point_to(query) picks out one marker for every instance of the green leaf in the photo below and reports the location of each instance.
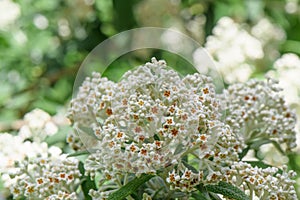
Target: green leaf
(259, 164)
(214, 196)
(87, 183)
(178, 149)
(278, 147)
(79, 153)
(190, 167)
(60, 136)
(257, 143)
(203, 192)
(243, 153)
(130, 187)
(227, 190)
(198, 196)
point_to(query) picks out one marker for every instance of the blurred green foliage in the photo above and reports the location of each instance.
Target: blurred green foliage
(39, 64)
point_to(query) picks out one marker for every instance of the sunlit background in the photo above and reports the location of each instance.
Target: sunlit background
(43, 43)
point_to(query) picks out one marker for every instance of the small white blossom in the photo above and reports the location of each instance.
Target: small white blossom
(238, 50)
(45, 177)
(9, 12)
(234, 50)
(37, 126)
(256, 110)
(264, 184)
(13, 149)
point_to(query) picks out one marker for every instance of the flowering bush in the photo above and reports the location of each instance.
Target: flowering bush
(156, 125)
(174, 135)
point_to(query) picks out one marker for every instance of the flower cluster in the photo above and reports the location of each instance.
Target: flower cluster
(233, 49)
(237, 50)
(37, 126)
(151, 118)
(267, 33)
(208, 161)
(10, 11)
(31, 169)
(154, 121)
(45, 177)
(269, 183)
(287, 68)
(256, 110)
(12, 149)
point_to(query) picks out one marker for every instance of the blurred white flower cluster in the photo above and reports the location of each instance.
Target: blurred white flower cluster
(13, 148)
(155, 122)
(30, 168)
(287, 70)
(9, 12)
(37, 126)
(237, 49)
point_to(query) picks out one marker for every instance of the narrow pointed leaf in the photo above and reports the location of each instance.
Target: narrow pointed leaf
(79, 153)
(227, 190)
(130, 187)
(87, 183)
(199, 196)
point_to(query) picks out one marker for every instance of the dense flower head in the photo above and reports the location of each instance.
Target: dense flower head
(238, 49)
(207, 161)
(287, 72)
(150, 119)
(270, 183)
(234, 50)
(256, 110)
(45, 177)
(155, 121)
(12, 149)
(37, 126)
(268, 33)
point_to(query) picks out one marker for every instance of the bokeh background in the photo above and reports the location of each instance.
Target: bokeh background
(43, 43)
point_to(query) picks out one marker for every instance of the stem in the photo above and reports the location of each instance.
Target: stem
(129, 197)
(251, 191)
(125, 179)
(118, 181)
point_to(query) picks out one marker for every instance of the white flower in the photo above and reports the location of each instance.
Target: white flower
(45, 177)
(14, 149)
(265, 31)
(9, 12)
(287, 70)
(263, 184)
(38, 125)
(232, 48)
(256, 110)
(238, 50)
